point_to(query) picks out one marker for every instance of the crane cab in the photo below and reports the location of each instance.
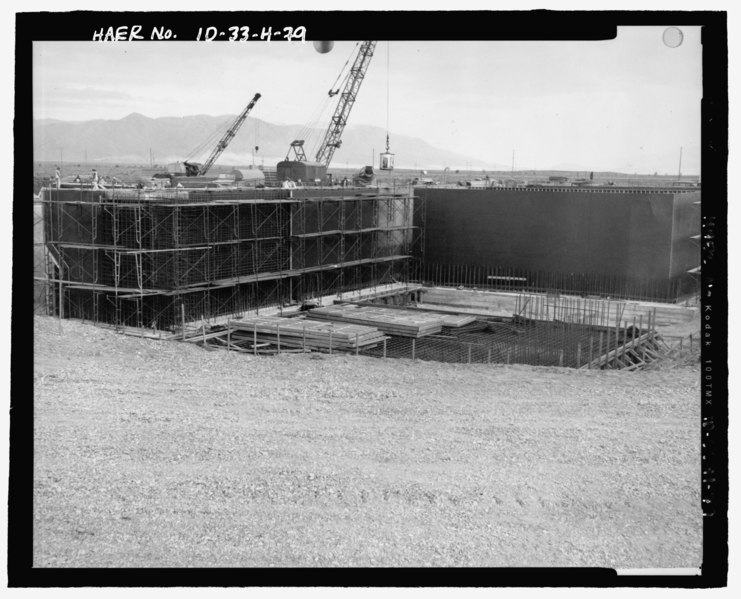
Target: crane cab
(387, 161)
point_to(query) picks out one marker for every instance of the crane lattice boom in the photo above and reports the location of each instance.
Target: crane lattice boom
(194, 169)
(332, 138)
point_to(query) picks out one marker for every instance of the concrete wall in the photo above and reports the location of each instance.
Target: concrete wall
(685, 252)
(638, 234)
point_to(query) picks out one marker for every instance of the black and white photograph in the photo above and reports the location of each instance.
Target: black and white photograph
(447, 301)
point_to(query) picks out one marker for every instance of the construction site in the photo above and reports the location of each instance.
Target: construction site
(209, 266)
(308, 366)
(556, 270)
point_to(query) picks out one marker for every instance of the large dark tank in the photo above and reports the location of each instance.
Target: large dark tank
(297, 170)
(633, 233)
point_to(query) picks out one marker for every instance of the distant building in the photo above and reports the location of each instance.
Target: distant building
(248, 177)
(685, 184)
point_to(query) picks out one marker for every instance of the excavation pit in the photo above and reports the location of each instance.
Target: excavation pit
(538, 343)
(404, 335)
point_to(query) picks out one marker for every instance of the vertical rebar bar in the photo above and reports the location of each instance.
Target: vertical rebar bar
(617, 337)
(578, 355)
(591, 351)
(599, 351)
(414, 347)
(61, 296)
(625, 339)
(384, 348)
(254, 338)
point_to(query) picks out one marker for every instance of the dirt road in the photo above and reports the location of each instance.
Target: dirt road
(155, 453)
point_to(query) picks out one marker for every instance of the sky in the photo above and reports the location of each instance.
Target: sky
(628, 104)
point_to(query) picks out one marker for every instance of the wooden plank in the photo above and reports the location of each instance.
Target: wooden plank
(320, 344)
(299, 332)
(314, 339)
(458, 320)
(199, 336)
(394, 322)
(613, 353)
(310, 336)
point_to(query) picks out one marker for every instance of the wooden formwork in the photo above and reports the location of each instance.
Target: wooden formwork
(631, 355)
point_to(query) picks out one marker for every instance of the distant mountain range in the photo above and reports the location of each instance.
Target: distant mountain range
(173, 139)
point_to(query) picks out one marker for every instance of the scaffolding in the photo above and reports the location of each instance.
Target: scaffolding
(41, 267)
(166, 258)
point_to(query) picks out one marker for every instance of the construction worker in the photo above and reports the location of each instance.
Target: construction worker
(58, 177)
(95, 179)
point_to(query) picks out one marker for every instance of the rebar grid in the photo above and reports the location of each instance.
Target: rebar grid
(129, 257)
(535, 343)
(584, 284)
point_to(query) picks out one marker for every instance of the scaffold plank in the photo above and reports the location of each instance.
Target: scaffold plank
(299, 332)
(393, 322)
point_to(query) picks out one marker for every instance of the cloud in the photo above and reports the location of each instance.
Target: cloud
(91, 94)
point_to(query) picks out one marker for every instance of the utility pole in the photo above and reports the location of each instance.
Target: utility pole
(679, 177)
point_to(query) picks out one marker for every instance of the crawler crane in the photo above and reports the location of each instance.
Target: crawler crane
(297, 167)
(195, 169)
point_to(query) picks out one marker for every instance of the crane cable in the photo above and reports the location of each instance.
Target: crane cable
(256, 146)
(311, 132)
(317, 141)
(309, 128)
(388, 87)
(314, 134)
(342, 70)
(210, 141)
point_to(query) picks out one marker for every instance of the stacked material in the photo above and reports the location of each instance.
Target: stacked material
(301, 333)
(472, 327)
(404, 323)
(449, 320)
(455, 321)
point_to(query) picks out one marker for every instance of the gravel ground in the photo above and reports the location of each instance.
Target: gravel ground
(164, 454)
